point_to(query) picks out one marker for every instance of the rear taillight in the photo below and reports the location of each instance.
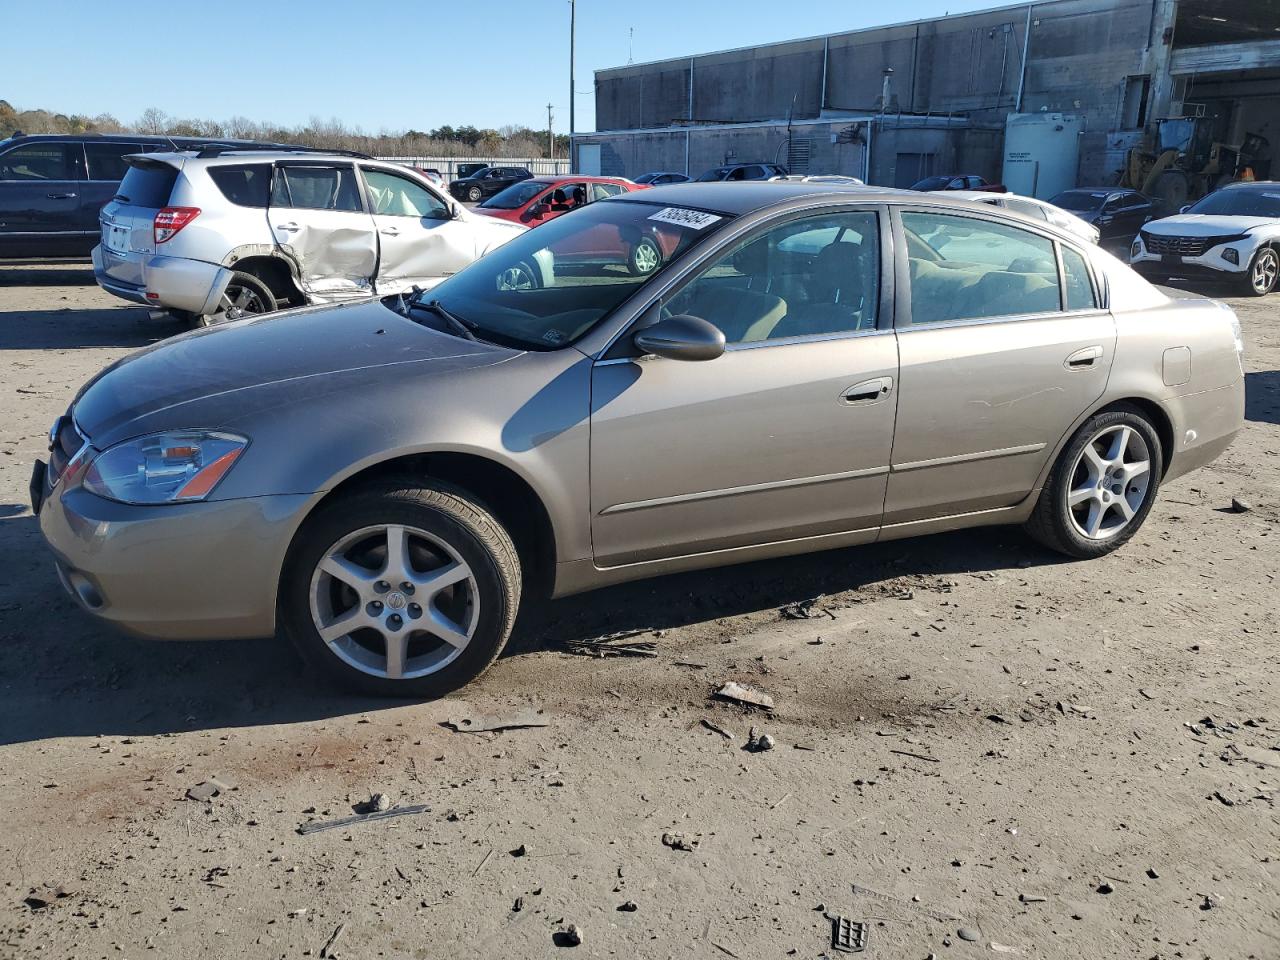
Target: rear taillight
(172, 219)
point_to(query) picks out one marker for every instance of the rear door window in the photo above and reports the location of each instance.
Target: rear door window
(106, 159)
(147, 184)
(244, 184)
(1080, 294)
(602, 190)
(39, 161)
(962, 268)
(316, 187)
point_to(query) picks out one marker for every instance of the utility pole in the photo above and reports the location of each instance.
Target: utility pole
(573, 23)
(551, 139)
(631, 42)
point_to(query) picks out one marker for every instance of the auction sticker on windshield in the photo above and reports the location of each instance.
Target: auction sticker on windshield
(694, 219)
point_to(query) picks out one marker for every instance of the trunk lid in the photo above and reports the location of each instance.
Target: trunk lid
(128, 219)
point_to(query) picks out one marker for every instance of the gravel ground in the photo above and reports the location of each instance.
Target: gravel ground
(980, 749)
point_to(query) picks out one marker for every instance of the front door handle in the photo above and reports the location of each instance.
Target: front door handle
(288, 227)
(868, 391)
(61, 196)
(390, 231)
(1085, 358)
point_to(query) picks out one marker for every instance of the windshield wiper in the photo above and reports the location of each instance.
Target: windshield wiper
(460, 326)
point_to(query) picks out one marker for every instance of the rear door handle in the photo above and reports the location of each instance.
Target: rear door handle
(390, 231)
(868, 391)
(288, 227)
(61, 196)
(1084, 358)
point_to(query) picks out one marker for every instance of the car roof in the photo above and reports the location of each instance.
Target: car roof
(743, 197)
(985, 197)
(570, 178)
(265, 156)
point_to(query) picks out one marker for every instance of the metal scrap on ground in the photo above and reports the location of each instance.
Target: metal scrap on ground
(487, 724)
(848, 936)
(739, 693)
(318, 825)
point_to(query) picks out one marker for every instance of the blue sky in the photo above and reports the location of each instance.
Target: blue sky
(378, 64)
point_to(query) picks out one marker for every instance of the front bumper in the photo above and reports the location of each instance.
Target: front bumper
(186, 571)
(1210, 265)
(175, 283)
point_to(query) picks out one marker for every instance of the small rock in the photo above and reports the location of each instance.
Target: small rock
(1105, 887)
(967, 933)
(378, 803)
(518, 905)
(207, 790)
(571, 935)
(677, 841)
(1223, 799)
(758, 743)
(1209, 902)
(628, 907)
(300, 912)
(520, 851)
(1152, 873)
(1240, 506)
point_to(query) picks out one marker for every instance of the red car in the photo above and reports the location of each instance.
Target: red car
(531, 202)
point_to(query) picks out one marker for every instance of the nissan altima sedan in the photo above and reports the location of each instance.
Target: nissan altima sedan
(802, 367)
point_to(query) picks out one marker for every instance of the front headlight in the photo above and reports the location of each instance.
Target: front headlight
(1135, 251)
(170, 467)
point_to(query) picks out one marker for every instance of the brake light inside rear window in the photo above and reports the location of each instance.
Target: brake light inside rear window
(170, 220)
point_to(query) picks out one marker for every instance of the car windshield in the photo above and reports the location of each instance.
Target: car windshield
(647, 177)
(1260, 201)
(931, 183)
(516, 195)
(549, 286)
(1085, 200)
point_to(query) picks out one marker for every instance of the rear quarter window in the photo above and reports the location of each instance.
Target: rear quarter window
(148, 184)
(245, 185)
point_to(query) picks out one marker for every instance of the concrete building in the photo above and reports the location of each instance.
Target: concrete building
(896, 103)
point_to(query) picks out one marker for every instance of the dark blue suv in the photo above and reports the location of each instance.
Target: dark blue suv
(53, 185)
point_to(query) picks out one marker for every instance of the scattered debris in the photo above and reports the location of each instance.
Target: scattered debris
(208, 789)
(759, 743)
(487, 724)
(1032, 898)
(628, 906)
(571, 936)
(1002, 948)
(678, 841)
(917, 756)
(799, 611)
(848, 936)
(1240, 506)
(749, 696)
(1223, 799)
(378, 803)
(716, 728)
(317, 825)
(997, 718)
(43, 896)
(606, 648)
(327, 950)
(296, 914)
(1209, 902)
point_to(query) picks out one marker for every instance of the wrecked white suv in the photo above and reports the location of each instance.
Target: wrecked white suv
(217, 234)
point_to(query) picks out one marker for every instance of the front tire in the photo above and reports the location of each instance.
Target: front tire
(245, 296)
(1102, 486)
(403, 589)
(475, 194)
(1262, 275)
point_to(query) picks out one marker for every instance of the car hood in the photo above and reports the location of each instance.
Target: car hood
(1204, 225)
(205, 377)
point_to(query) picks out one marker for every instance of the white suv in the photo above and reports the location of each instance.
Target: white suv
(220, 233)
(1232, 234)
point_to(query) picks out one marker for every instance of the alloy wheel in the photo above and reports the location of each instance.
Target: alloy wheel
(646, 257)
(394, 601)
(1110, 481)
(1266, 269)
(240, 302)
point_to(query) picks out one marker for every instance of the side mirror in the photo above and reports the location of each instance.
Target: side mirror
(538, 210)
(682, 337)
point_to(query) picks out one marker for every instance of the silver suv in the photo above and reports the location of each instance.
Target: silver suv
(219, 233)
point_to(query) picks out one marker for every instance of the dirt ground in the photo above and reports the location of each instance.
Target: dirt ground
(1061, 760)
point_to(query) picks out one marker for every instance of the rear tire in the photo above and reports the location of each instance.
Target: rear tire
(475, 194)
(244, 296)
(645, 257)
(1101, 488)
(438, 629)
(1261, 277)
